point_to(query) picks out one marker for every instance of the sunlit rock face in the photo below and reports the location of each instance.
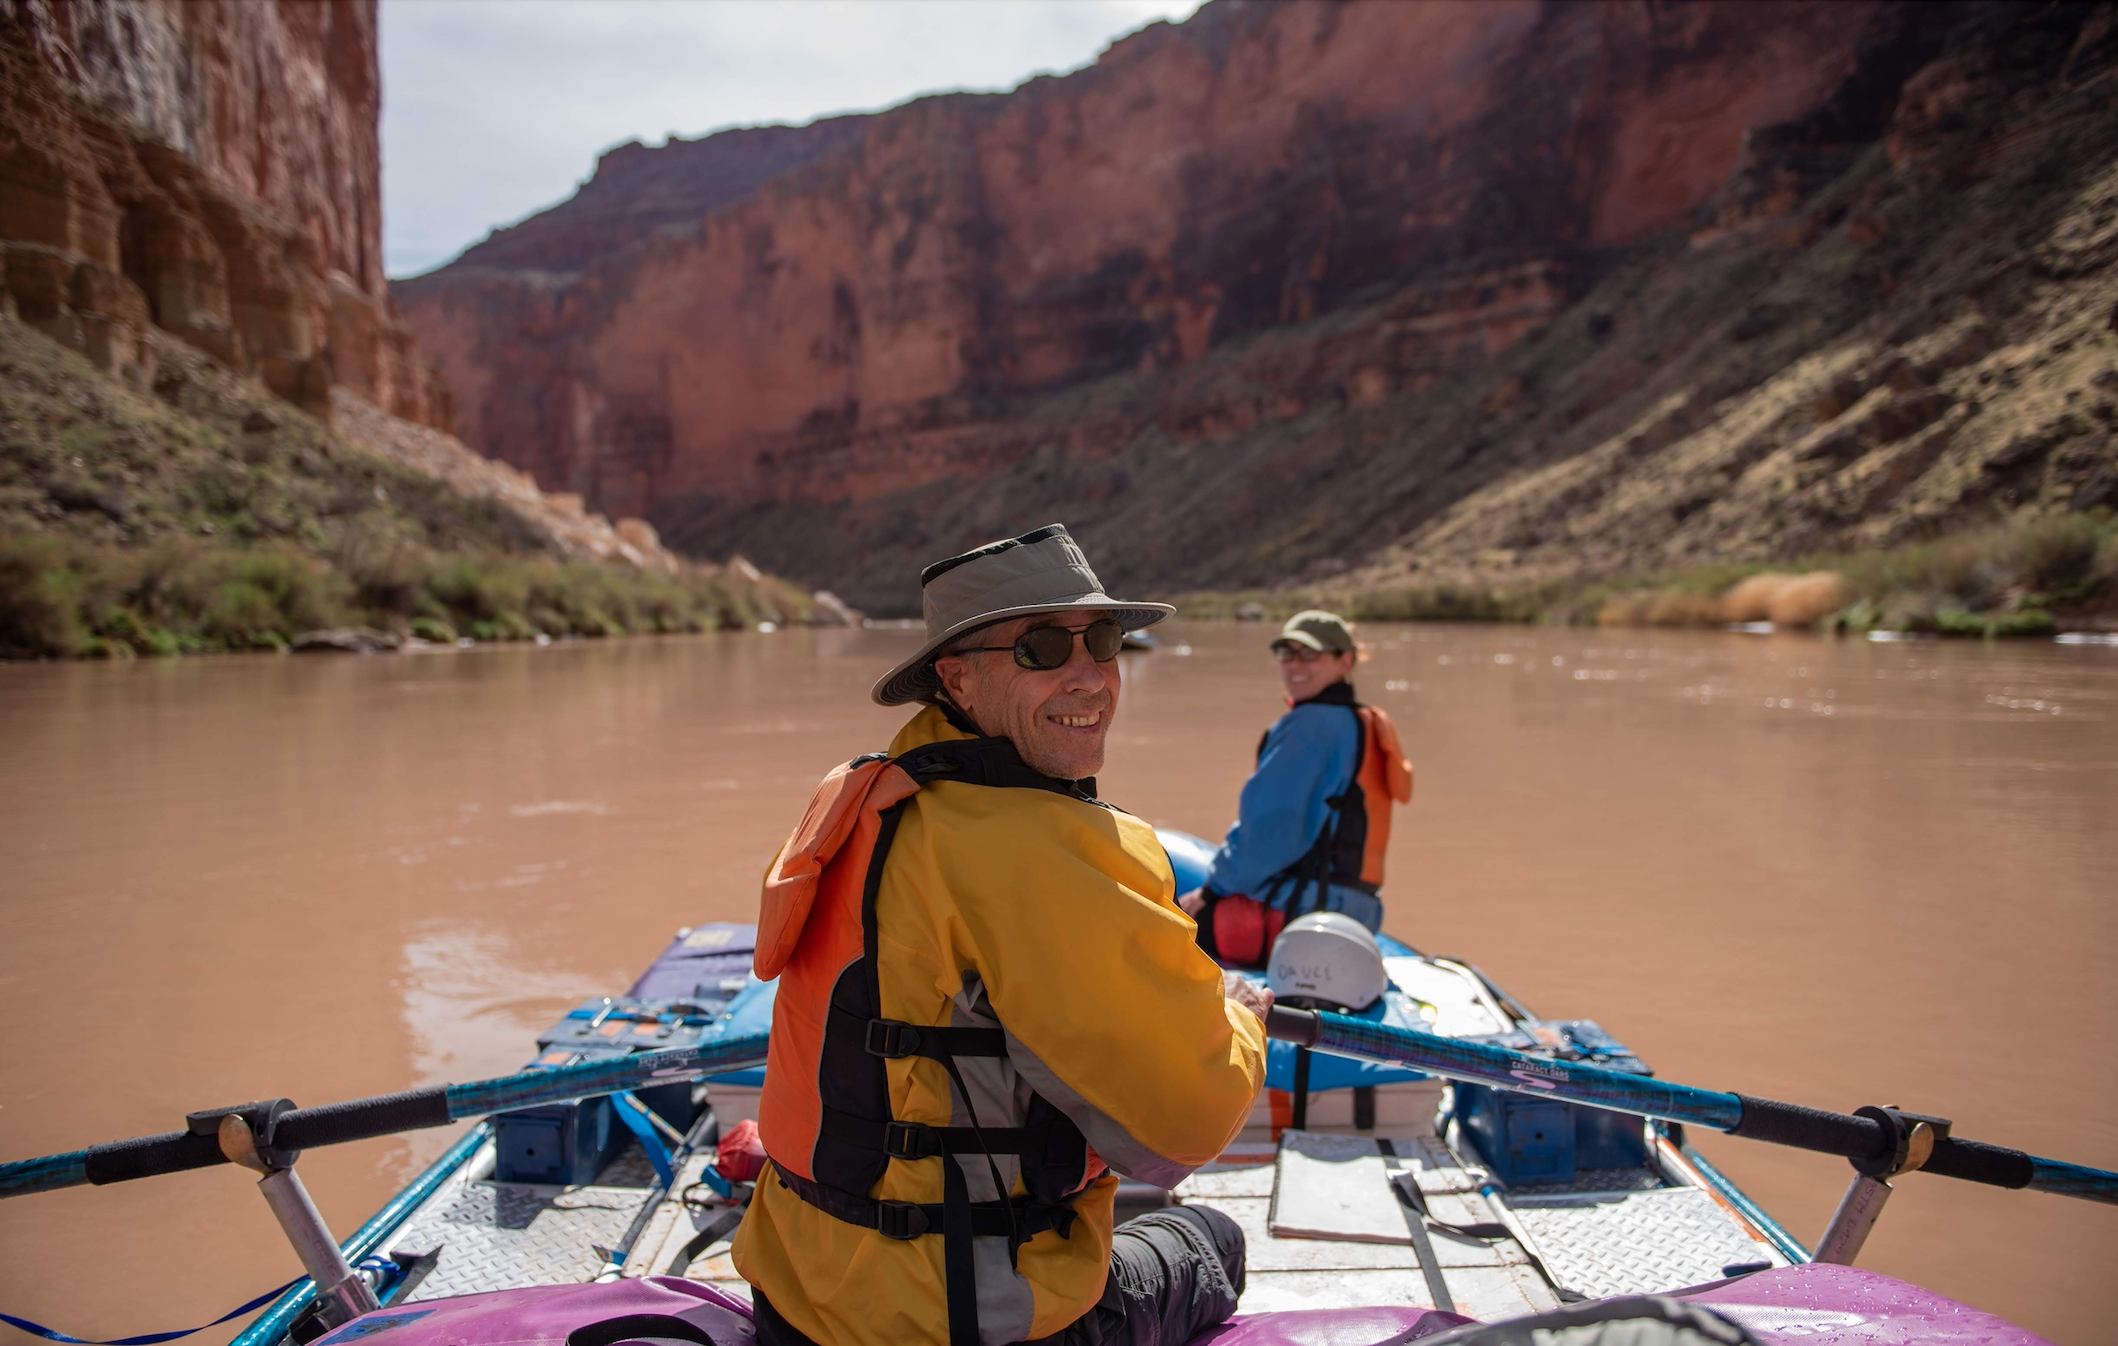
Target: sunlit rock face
(1236, 302)
(211, 167)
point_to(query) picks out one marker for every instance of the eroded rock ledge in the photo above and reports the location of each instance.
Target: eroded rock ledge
(211, 168)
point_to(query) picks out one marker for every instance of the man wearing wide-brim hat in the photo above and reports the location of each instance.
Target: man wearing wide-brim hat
(990, 1006)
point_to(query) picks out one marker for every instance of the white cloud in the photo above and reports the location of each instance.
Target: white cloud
(494, 109)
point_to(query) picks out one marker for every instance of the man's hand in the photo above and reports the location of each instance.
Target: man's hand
(1193, 902)
(1248, 994)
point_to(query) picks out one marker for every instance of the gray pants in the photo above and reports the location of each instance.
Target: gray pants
(1173, 1274)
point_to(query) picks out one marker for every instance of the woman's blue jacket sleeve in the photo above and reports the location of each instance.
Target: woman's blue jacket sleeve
(1309, 756)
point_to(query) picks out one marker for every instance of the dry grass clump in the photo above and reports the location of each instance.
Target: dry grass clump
(1666, 607)
(1785, 600)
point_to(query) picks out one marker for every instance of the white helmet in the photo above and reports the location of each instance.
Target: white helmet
(1326, 960)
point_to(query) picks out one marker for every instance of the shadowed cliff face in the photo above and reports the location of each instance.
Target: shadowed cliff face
(210, 167)
(1252, 299)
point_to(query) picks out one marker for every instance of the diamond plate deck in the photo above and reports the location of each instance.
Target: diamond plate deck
(1594, 1180)
(502, 1236)
(1624, 1243)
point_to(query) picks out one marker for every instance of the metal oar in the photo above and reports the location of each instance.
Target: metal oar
(199, 1145)
(1881, 1142)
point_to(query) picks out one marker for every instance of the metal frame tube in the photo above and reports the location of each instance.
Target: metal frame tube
(348, 1291)
(1850, 1224)
(271, 1326)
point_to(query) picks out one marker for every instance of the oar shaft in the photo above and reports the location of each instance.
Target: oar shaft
(2064, 1179)
(1850, 1137)
(1497, 1066)
(383, 1115)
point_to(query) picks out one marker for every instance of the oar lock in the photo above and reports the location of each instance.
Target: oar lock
(245, 1133)
(1908, 1140)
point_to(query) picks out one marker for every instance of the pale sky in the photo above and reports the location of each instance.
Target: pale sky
(495, 109)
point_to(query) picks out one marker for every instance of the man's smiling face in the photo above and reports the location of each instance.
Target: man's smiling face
(1057, 718)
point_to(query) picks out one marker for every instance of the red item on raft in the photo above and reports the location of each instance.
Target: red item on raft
(1243, 930)
(741, 1156)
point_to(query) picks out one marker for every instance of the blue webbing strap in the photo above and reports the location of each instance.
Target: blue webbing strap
(38, 1329)
(633, 1113)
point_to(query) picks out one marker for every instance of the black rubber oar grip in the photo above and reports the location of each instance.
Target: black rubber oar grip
(1976, 1161)
(146, 1156)
(363, 1118)
(1293, 1025)
(1809, 1128)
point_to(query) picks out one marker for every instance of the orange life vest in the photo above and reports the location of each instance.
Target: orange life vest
(1349, 850)
(825, 1114)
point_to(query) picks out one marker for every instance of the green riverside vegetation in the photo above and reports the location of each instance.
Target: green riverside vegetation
(2031, 576)
(208, 516)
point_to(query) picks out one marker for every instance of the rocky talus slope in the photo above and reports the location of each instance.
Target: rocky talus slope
(210, 515)
(1284, 293)
(209, 169)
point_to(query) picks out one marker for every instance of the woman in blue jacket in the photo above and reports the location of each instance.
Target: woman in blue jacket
(1314, 818)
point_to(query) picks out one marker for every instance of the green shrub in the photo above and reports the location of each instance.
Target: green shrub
(39, 601)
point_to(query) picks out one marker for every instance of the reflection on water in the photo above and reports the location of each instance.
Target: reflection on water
(1836, 872)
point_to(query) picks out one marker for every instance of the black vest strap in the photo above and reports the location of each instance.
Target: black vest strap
(912, 1219)
(1334, 857)
(915, 1140)
(988, 761)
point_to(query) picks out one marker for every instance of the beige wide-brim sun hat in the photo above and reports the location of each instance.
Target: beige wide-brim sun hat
(1039, 572)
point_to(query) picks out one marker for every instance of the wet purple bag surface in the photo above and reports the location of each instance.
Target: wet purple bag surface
(1330, 1327)
(1810, 1305)
(1819, 1305)
(549, 1313)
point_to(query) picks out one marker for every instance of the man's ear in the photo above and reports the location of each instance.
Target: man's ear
(954, 675)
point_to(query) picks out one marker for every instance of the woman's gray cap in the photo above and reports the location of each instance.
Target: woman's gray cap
(1039, 572)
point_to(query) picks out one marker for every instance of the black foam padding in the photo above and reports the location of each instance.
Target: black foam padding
(1809, 1128)
(362, 1118)
(146, 1156)
(1976, 1161)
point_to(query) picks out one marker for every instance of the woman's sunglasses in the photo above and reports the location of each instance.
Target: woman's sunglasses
(1287, 650)
(1044, 648)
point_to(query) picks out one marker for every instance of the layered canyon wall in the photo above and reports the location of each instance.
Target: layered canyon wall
(1257, 296)
(212, 168)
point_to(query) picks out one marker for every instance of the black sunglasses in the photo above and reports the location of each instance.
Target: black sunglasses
(1044, 648)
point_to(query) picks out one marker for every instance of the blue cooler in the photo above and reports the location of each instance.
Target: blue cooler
(624, 1025)
(1527, 1140)
(571, 1143)
(562, 1144)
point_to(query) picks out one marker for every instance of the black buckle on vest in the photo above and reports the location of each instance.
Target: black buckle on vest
(892, 1038)
(911, 1140)
(900, 1220)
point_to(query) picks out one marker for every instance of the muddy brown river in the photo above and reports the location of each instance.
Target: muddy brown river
(1835, 873)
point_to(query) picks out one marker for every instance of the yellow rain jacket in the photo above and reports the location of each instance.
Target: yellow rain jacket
(982, 971)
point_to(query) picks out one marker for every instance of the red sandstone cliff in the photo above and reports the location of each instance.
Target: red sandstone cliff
(211, 167)
(1258, 293)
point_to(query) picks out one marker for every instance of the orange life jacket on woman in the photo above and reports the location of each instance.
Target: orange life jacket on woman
(1356, 836)
(1348, 851)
